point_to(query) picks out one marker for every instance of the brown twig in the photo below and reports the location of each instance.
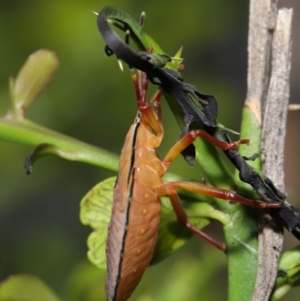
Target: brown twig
(268, 93)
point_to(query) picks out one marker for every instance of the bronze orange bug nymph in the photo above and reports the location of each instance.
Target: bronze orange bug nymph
(134, 222)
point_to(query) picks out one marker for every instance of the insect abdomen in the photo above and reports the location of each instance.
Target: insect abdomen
(132, 237)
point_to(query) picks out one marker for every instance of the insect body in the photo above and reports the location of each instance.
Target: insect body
(135, 215)
(188, 98)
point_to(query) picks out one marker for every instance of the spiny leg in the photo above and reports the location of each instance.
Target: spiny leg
(182, 218)
(227, 195)
(155, 104)
(143, 87)
(135, 84)
(152, 113)
(190, 137)
(169, 189)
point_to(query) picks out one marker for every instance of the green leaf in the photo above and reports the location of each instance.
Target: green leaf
(290, 259)
(32, 79)
(25, 288)
(289, 273)
(95, 211)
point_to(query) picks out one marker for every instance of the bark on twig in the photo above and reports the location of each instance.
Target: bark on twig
(269, 68)
(262, 22)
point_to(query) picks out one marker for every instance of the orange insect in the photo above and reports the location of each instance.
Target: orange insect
(134, 222)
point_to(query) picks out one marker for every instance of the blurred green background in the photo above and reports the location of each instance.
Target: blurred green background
(92, 100)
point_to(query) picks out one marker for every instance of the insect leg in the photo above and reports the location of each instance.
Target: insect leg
(182, 218)
(190, 137)
(169, 188)
(155, 104)
(150, 113)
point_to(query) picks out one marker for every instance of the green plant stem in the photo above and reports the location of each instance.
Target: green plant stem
(29, 133)
(241, 233)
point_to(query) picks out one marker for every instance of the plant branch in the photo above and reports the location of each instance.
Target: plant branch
(29, 133)
(242, 280)
(273, 139)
